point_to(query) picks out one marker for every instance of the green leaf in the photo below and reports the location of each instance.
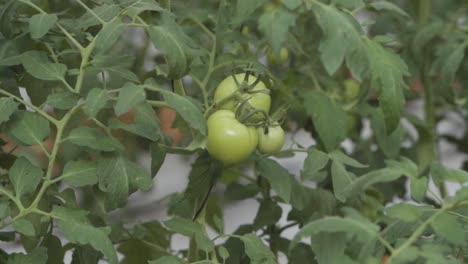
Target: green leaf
(278, 177)
(190, 112)
(405, 212)
(188, 228)
(389, 143)
(236, 191)
(158, 155)
(349, 4)
(38, 65)
(118, 177)
(275, 25)
(441, 173)
(388, 70)
(341, 180)
(146, 122)
(292, 4)
(40, 24)
(54, 249)
(331, 224)
(244, 9)
(106, 12)
(256, 250)
(268, 213)
(419, 188)
(329, 247)
(30, 128)
(136, 7)
(24, 227)
(95, 101)
(130, 96)
(62, 100)
(94, 139)
(338, 29)
(315, 161)
(166, 260)
(171, 40)
(80, 173)
(109, 34)
(223, 253)
(321, 109)
(205, 172)
(77, 229)
(447, 226)
(7, 107)
(385, 5)
(25, 177)
(36, 256)
(339, 156)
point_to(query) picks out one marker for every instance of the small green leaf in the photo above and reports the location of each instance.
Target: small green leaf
(139, 6)
(40, 24)
(256, 250)
(341, 180)
(30, 128)
(7, 107)
(223, 253)
(38, 65)
(268, 214)
(419, 188)
(80, 173)
(94, 139)
(77, 229)
(190, 112)
(158, 155)
(129, 96)
(316, 160)
(321, 109)
(118, 177)
(146, 122)
(24, 227)
(105, 11)
(363, 232)
(109, 34)
(344, 159)
(385, 5)
(25, 177)
(404, 211)
(95, 101)
(442, 173)
(278, 177)
(62, 100)
(171, 40)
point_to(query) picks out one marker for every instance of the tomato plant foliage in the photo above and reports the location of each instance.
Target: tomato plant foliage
(88, 87)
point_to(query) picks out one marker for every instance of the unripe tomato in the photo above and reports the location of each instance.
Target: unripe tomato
(272, 141)
(229, 140)
(258, 100)
(352, 89)
(273, 58)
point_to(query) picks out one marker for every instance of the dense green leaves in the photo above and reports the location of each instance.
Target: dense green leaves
(94, 139)
(80, 173)
(39, 66)
(7, 108)
(95, 101)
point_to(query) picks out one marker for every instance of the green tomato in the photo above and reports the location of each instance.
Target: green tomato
(229, 140)
(273, 58)
(228, 86)
(352, 89)
(271, 142)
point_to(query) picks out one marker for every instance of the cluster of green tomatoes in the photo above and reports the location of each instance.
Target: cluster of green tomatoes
(242, 123)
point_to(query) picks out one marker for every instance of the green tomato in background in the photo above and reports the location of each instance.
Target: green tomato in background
(352, 89)
(272, 141)
(229, 140)
(273, 58)
(258, 100)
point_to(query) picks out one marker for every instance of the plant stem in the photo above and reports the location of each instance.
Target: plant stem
(85, 53)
